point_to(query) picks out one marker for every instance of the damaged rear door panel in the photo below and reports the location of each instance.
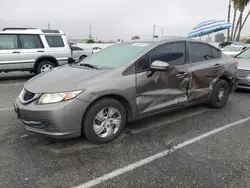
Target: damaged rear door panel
(206, 67)
(163, 90)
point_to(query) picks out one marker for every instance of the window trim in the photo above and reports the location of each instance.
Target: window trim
(219, 52)
(55, 36)
(159, 46)
(197, 42)
(18, 44)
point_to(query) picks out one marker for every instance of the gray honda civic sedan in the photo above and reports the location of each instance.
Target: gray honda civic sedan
(128, 81)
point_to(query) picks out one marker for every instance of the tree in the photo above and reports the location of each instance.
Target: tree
(248, 41)
(220, 37)
(239, 5)
(135, 37)
(90, 41)
(156, 36)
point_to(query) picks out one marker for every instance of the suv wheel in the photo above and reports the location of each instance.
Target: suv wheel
(104, 121)
(44, 66)
(220, 94)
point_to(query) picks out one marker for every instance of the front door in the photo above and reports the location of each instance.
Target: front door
(162, 90)
(10, 57)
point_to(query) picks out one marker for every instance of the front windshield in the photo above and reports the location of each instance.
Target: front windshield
(245, 54)
(116, 55)
(232, 48)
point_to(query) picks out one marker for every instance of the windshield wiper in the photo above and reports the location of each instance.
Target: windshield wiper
(89, 65)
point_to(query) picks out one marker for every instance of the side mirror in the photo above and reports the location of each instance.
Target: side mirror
(159, 66)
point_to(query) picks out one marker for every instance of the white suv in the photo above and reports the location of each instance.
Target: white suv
(34, 50)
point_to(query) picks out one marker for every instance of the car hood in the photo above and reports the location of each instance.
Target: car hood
(243, 63)
(60, 79)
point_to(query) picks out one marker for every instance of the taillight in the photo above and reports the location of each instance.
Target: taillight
(236, 63)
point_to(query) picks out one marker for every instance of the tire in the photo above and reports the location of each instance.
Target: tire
(41, 65)
(90, 120)
(82, 57)
(217, 100)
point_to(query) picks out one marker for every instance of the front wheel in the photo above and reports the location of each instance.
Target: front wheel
(104, 121)
(220, 94)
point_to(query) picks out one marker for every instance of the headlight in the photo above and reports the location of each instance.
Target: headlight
(57, 97)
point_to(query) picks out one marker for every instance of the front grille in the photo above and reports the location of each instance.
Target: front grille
(243, 73)
(28, 95)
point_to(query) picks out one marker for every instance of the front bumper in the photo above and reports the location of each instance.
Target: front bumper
(58, 120)
(244, 82)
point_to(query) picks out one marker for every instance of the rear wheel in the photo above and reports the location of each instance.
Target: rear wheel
(104, 121)
(82, 57)
(44, 66)
(220, 94)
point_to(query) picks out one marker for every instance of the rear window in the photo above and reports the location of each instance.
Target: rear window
(54, 41)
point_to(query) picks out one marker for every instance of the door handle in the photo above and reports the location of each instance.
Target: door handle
(40, 51)
(16, 52)
(181, 74)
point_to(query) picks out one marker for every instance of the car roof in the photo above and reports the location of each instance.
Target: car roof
(31, 31)
(166, 39)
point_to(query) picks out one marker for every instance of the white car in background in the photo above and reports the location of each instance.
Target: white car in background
(96, 49)
(233, 50)
(78, 53)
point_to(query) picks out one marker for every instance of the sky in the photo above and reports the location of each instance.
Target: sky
(113, 19)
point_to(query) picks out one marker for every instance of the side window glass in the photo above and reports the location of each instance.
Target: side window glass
(174, 54)
(30, 42)
(8, 42)
(142, 64)
(215, 53)
(200, 52)
(54, 41)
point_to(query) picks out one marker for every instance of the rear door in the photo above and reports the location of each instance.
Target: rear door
(205, 67)
(10, 57)
(31, 49)
(163, 90)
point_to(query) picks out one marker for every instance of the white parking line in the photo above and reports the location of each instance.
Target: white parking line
(152, 158)
(5, 109)
(15, 84)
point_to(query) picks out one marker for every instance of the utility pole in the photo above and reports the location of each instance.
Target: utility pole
(162, 32)
(153, 31)
(228, 18)
(90, 32)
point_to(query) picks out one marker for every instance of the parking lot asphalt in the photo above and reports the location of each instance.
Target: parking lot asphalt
(219, 160)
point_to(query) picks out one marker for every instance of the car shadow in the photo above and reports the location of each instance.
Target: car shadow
(15, 76)
(242, 90)
(80, 143)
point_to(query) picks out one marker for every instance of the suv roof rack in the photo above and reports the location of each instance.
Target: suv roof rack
(16, 28)
(50, 31)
